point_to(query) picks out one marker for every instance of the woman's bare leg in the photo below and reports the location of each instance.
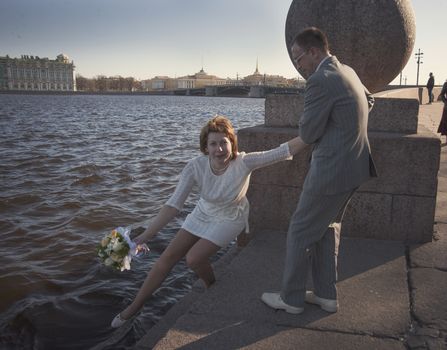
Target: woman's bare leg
(175, 251)
(198, 260)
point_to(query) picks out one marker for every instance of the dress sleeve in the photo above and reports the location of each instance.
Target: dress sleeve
(184, 187)
(257, 160)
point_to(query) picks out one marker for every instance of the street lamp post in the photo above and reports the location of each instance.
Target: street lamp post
(418, 55)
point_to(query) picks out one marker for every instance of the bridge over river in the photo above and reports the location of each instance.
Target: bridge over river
(237, 90)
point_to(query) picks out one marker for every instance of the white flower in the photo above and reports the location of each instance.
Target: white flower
(108, 262)
(119, 247)
(126, 263)
(105, 241)
(116, 249)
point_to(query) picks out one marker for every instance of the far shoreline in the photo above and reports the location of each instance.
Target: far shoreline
(109, 93)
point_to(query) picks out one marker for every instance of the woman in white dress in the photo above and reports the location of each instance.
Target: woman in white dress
(222, 175)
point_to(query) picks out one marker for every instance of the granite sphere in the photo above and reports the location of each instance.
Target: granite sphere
(375, 37)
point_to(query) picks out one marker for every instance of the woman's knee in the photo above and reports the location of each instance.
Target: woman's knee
(178, 247)
(193, 261)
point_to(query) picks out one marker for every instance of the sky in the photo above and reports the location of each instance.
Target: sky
(146, 38)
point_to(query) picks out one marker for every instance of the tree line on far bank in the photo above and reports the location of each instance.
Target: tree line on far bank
(103, 83)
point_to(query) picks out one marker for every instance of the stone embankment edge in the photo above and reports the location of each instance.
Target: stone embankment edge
(159, 330)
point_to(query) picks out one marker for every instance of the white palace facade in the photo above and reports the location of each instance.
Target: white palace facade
(31, 73)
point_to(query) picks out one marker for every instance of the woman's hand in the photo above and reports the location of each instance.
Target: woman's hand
(142, 248)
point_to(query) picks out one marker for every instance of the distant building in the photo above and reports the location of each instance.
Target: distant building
(254, 79)
(31, 73)
(264, 79)
(199, 80)
(159, 83)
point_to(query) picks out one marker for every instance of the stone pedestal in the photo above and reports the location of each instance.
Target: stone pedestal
(398, 205)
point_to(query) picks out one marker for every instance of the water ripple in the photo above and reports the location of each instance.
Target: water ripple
(73, 168)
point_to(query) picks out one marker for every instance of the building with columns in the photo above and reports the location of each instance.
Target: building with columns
(31, 73)
(199, 80)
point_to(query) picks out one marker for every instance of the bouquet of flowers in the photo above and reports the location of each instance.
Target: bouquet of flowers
(116, 249)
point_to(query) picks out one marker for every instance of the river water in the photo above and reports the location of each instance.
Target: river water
(71, 169)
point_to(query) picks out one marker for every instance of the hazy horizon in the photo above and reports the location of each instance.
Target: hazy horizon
(148, 38)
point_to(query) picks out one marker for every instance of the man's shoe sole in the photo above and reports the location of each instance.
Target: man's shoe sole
(311, 298)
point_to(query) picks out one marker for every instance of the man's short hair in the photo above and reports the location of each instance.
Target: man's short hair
(312, 37)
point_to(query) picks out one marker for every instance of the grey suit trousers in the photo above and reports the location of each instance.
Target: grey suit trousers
(313, 237)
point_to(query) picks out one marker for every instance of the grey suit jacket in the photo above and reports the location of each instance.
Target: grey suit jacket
(335, 121)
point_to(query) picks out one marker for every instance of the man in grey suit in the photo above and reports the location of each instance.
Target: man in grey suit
(334, 121)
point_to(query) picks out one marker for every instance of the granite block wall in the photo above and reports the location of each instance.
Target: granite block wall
(398, 205)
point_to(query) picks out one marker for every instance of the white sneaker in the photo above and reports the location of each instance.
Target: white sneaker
(118, 321)
(329, 305)
(274, 301)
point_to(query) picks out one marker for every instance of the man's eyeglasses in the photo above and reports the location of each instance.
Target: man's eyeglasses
(298, 59)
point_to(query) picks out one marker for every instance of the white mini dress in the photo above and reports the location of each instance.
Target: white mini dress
(221, 213)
